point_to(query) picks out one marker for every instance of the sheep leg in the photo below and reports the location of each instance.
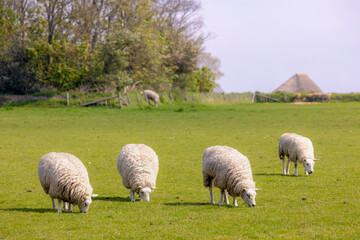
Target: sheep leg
(235, 202)
(283, 162)
(295, 164)
(53, 203)
(288, 166)
(211, 194)
(59, 208)
(69, 209)
(226, 199)
(65, 206)
(132, 195)
(221, 198)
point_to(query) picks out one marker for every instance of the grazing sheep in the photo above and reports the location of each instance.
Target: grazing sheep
(81, 168)
(231, 172)
(151, 95)
(64, 176)
(138, 166)
(298, 149)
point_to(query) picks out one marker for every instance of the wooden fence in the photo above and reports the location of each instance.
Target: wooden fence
(137, 98)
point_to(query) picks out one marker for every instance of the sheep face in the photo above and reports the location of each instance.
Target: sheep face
(144, 194)
(309, 165)
(248, 195)
(84, 205)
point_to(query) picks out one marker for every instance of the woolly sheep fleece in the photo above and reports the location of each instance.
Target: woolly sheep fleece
(64, 176)
(298, 149)
(229, 170)
(151, 95)
(138, 166)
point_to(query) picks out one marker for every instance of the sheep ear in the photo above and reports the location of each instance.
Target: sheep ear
(94, 195)
(257, 189)
(316, 159)
(152, 188)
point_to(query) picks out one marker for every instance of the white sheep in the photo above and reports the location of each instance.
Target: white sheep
(231, 172)
(80, 166)
(298, 149)
(151, 95)
(138, 166)
(64, 177)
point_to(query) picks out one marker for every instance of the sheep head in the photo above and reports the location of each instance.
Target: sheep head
(144, 193)
(248, 195)
(309, 165)
(85, 204)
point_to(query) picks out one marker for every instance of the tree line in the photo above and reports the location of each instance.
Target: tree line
(103, 45)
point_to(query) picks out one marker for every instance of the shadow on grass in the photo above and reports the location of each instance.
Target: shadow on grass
(274, 174)
(188, 204)
(112, 199)
(38, 210)
(216, 205)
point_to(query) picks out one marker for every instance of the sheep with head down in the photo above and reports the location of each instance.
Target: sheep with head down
(64, 177)
(230, 171)
(297, 149)
(153, 96)
(138, 166)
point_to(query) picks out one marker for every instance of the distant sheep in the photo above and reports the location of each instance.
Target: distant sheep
(298, 149)
(64, 177)
(231, 172)
(138, 166)
(153, 96)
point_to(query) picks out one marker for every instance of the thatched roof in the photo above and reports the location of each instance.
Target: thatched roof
(300, 82)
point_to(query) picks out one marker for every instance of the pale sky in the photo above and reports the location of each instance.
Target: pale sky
(262, 43)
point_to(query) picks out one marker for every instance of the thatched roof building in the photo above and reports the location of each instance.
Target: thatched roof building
(300, 82)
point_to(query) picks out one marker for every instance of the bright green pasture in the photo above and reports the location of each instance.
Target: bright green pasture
(323, 205)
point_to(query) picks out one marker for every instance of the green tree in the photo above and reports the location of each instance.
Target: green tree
(16, 74)
(105, 44)
(68, 67)
(8, 29)
(204, 80)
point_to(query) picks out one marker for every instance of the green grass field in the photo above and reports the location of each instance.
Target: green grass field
(323, 205)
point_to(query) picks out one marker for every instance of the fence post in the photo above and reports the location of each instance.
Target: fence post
(170, 96)
(207, 94)
(192, 96)
(253, 97)
(67, 99)
(137, 97)
(128, 98)
(224, 96)
(185, 97)
(146, 99)
(285, 97)
(120, 100)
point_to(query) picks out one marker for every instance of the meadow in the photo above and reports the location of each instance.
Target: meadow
(323, 205)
